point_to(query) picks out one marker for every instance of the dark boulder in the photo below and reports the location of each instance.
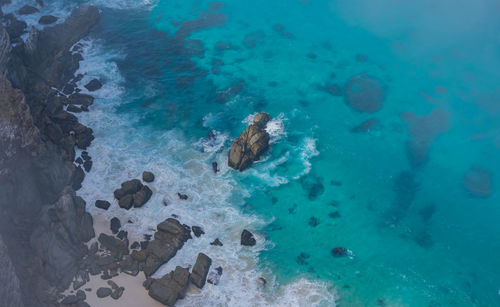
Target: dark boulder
(216, 242)
(102, 204)
(87, 165)
(142, 196)
(118, 248)
(131, 186)
(253, 142)
(215, 167)
(182, 196)
(83, 135)
(148, 176)
(126, 202)
(77, 179)
(115, 225)
(200, 270)
(81, 99)
(47, 19)
(27, 10)
(117, 293)
(93, 85)
(171, 287)
(73, 109)
(103, 292)
(198, 231)
(247, 238)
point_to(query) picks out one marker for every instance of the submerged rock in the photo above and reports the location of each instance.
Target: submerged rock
(200, 270)
(248, 147)
(247, 238)
(47, 19)
(339, 252)
(27, 10)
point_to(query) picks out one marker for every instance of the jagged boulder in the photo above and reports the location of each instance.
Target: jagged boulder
(200, 270)
(171, 287)
(133, 193)
(251, 144)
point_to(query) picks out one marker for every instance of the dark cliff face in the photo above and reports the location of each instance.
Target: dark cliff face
(42, 222)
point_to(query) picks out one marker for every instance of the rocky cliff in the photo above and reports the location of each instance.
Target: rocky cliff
(42, 222)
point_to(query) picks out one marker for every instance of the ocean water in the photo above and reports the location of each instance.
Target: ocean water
(385, 141)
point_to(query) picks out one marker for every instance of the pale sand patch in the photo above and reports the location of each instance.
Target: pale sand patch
(134, 295)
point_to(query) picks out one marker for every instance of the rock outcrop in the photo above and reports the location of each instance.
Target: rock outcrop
(42, 222)
(247, 238)
(251, 144)
(132, 193)
(170, 287)
(169, 238)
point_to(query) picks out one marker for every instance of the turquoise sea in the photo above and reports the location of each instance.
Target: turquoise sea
(385, 142)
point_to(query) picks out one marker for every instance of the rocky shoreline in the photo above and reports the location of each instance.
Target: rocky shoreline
(47, 239)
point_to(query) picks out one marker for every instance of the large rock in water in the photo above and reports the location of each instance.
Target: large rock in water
(248, 147)
(200, 270)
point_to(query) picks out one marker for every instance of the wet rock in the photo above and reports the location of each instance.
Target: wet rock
(126, 201)
(148, 176)
(83, 135)
(144, 244)
(77, 179)
(102, 204)
(247, 238)
(169, 238)
(81, 99)
(112, 284)
(171, 287)
(27, 10)
(93, 85)
(200, 270)
(216, 242)
(128, 187)
(339, 252)
(74, 109)
(47, 19)
(118, 248)
(214, 276)
(135, 245)
(182, 196)
(117, 293)
(81, 295)
(248, 147)
(115, 225)
(122, 234)
(142, 196)
(215, 167)
(198, 231)
(103, 292)
(70, 299)
(87, 165)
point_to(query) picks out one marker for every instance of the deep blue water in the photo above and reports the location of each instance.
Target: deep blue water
(386, 142)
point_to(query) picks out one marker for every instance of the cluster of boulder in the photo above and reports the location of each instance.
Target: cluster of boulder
(132, 193)
(251, 144)
(43, 223)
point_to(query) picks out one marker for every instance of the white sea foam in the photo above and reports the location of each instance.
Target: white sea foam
(121, 152)
(307, 151)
